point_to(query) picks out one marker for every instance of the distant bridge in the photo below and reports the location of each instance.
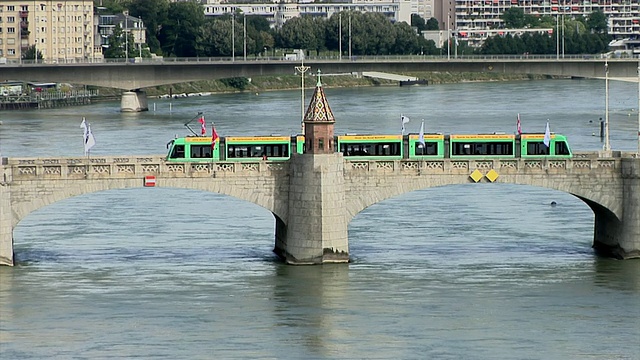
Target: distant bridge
(134, 77)
(115, 73)
(314, 197)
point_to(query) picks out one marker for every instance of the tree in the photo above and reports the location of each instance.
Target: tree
(597, 22)
(513, 18)
(406, 39)
(432, 24)
(418, 22)
(32, 53)
(180, 36)
(298, 33)
(153, 13)
(115, 44)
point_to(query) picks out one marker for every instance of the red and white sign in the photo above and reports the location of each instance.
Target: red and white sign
(150, 181)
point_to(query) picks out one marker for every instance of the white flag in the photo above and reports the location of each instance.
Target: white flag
(83, 125)
(89, 140)
(404, 120)
(547, 136)
(421, 138)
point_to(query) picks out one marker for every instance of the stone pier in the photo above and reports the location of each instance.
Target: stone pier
(134, 101)
(6, 222)
(620, 238)
(316, 230)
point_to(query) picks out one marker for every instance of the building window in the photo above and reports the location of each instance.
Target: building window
(11, 8)
(11, 51)
(320, 143)
(1, 52)
(11, 19)
(24, 8)
(11, 30)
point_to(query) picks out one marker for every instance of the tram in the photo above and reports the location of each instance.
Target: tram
(372, 147)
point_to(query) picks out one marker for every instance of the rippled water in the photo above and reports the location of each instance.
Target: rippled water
(477, 271)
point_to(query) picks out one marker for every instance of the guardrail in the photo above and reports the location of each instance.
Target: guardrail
(334, 58)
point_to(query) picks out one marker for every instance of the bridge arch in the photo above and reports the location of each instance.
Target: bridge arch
(600, 202)
(24, 208)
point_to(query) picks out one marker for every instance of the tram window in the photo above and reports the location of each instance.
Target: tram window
(562, 148)
(482, 149)
(537, 148)
(200, 151)
(178, 152)
(257, 151)
(237, 151)
(369, 149)
(429, 148)
(458, 148)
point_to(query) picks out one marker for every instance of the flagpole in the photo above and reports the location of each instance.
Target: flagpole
(607, 145)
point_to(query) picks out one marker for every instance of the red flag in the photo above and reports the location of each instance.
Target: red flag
(214, 137)
(519, 127)
(202, 125)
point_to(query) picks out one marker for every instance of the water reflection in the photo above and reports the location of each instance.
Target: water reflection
(617, 275)
(311, 300)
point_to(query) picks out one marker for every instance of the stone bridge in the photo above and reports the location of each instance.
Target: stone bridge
(314, 197)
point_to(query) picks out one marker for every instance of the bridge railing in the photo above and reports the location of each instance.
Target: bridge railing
(127, 167)
(583, 162)
(333, 58)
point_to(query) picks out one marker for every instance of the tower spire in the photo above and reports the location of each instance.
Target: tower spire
(319, 122)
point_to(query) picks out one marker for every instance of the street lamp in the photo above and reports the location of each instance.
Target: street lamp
(448, 37)
(244, 32)
(607, 145)
(233, 36)
(557, 37)
(638, 153)
(340, 34)
(140, 29)
(302, 69)
(350, 36)
(126, 37)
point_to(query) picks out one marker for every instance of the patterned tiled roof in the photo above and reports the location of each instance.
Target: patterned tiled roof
(319, 109)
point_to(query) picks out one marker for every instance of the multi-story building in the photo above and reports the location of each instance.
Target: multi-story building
(61, 30)
(278, 13)
(473, 16)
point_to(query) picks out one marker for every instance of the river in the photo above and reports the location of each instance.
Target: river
(476, 271)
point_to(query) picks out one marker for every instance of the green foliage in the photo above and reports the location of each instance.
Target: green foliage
(418, 22)
(31, 53)
(154, 13)
(513, 18)
(120, 47)
(239, 83)
(597, 22)
(575, 43)
(432, 24)
(180, 35)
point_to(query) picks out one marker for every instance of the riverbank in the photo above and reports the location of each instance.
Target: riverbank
(288, 82)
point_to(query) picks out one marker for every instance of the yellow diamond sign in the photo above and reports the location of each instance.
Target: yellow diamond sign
(476, 175)
(492, 175)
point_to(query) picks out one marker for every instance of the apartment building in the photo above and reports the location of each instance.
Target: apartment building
(61, 30)
(277, 13)
(474, 16)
